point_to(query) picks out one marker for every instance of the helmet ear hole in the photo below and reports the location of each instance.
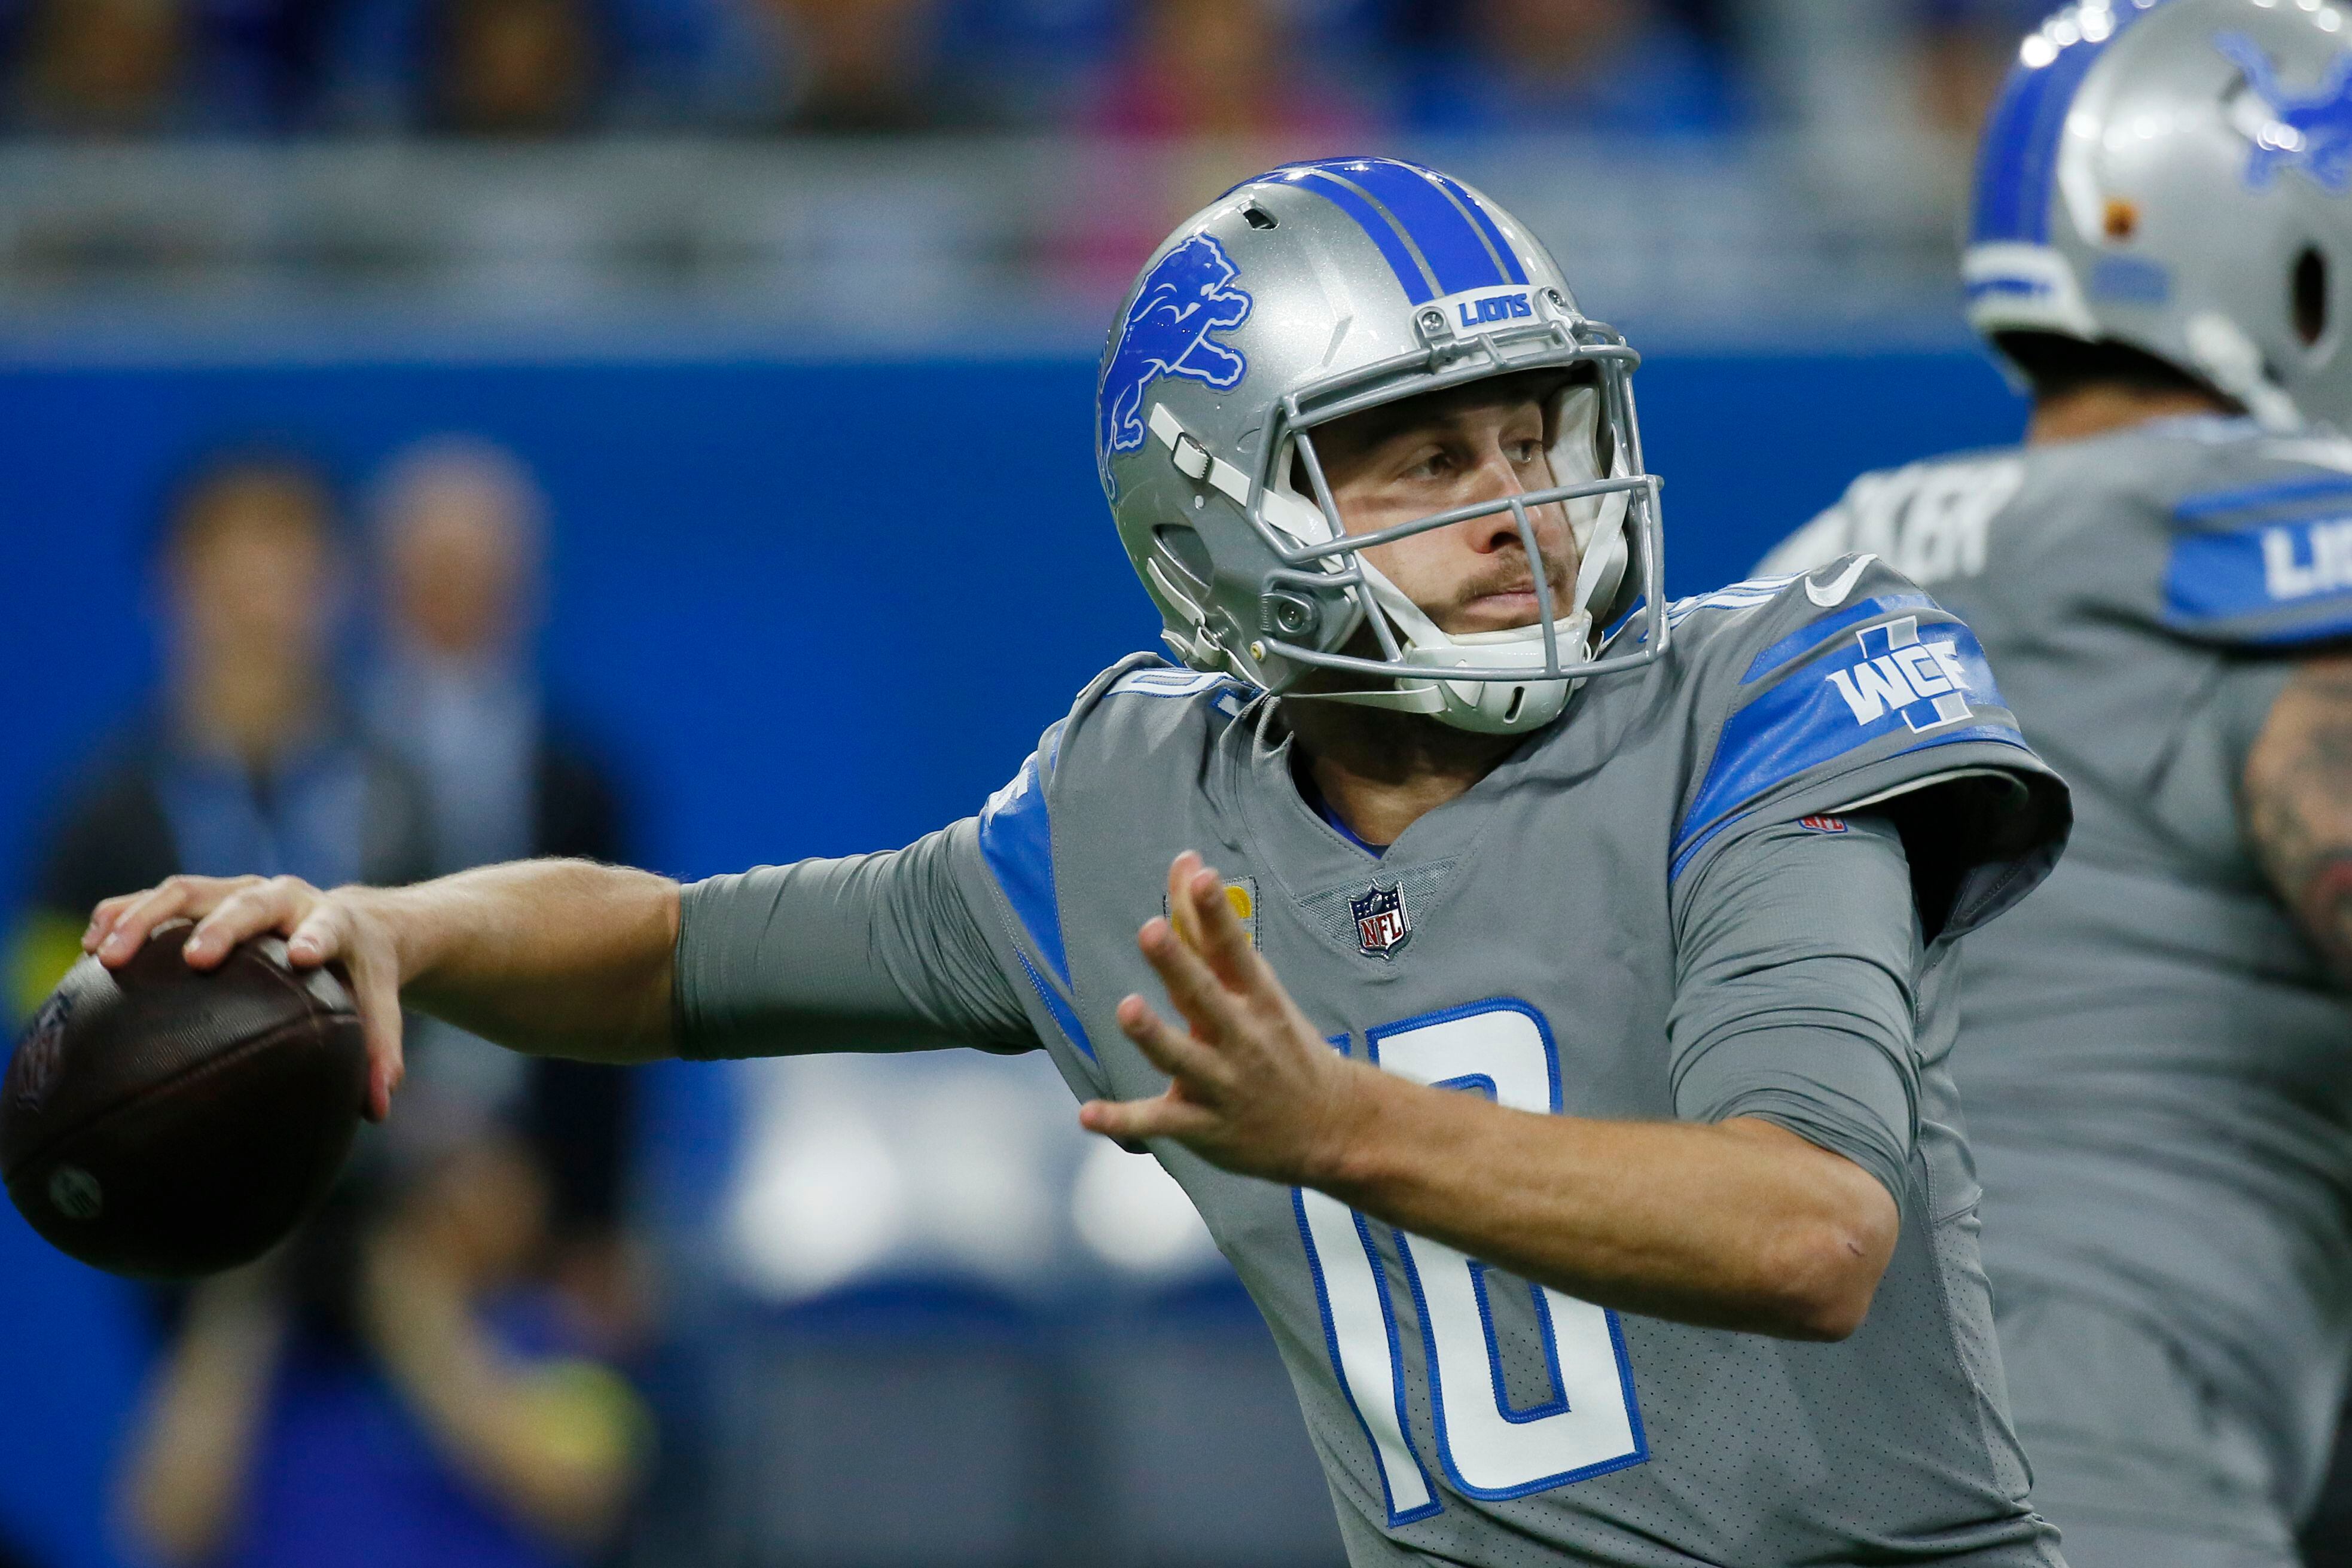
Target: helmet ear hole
(1188, 551)
(2310, 295)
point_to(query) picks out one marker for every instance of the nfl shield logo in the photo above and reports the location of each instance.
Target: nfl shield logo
(1381, 924)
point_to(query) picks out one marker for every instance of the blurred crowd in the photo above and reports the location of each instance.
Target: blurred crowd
(442, 1349)
(548, 67)
(476, 1344)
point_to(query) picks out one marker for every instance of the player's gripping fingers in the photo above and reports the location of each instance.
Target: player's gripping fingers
(378, 996)
(1181, 1056)
(136, 918)
(1207, 1004)
(277, 905)
(102, 918)
(1131, 1122)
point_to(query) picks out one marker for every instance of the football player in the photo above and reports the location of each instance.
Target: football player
(2157, 1048)
(1550, 1027)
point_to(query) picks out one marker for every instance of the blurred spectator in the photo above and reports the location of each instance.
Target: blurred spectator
(460, 528)
(1229, 67)
(1965, 49)
(865, 67)
(388, 1388)
(514, 68)
(104, 66)
(250, 761)
(123, 67)
(1564, 65)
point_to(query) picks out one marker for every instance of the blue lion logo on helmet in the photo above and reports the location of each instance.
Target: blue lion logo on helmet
(2310, 131)
(1186, 296)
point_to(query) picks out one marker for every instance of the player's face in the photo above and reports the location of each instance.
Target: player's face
(1481, 443)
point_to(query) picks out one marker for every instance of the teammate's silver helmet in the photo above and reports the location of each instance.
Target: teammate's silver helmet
(1311, 294)
(2171, 175)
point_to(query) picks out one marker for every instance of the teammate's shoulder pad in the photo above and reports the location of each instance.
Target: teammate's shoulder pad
(2260, 550)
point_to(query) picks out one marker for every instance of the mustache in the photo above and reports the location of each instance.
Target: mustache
(1515, 578)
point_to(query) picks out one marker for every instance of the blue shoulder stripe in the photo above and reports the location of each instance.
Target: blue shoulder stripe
(1064, 1014)
(1812, 635)
(2293, 580)
(1891, 680)
(1016, 840)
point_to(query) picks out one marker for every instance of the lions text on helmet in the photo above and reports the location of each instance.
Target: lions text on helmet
(1253, 441)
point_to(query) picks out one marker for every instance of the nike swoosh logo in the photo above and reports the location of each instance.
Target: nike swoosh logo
(1835, 594)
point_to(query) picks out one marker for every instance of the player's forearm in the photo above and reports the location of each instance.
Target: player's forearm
(1740, 1225)
(2297, 795)
(555, 957)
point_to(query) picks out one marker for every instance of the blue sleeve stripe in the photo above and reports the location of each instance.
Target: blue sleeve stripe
(1063, 1012)
(2283, 492)
(1807, 638)
(1889, 679)
(1016, 840)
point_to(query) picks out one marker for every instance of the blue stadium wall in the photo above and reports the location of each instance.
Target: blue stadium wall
(808, 609)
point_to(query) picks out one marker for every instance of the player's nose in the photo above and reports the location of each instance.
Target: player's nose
(1497, 478)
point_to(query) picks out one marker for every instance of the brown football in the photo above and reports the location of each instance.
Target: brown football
(162, 1122)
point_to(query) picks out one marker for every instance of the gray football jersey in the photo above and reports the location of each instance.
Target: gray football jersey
(1522, 942)
(2157, 1070)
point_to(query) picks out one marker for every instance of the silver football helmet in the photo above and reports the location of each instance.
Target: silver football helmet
(1314, 292)
(2171, 175)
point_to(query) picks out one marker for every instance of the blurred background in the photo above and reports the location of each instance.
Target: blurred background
(436, 431)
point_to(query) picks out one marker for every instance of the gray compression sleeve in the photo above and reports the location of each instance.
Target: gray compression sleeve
(876, 953)
(1795, 992)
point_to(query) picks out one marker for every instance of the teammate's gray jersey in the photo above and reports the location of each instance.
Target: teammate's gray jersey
(2158, 1072)
(1534, 940)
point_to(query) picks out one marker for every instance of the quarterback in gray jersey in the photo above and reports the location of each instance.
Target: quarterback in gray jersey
(1542, 990)
(2157, 1048)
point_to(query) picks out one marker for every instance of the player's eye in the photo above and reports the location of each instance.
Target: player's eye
(1432, 463)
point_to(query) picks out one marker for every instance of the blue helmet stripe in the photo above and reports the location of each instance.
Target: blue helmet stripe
(1375, 223)
(1456, 250)
(2017, 162)
(1486, 226)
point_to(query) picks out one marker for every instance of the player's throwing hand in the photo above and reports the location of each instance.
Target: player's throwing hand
(1256, 1089)
(318, 928)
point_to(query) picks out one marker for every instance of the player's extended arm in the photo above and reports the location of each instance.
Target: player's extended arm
(561, 957)
(1740, 1224)
(2298, 803)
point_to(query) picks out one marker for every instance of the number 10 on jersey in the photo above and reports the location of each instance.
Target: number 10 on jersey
(1589, 1424)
